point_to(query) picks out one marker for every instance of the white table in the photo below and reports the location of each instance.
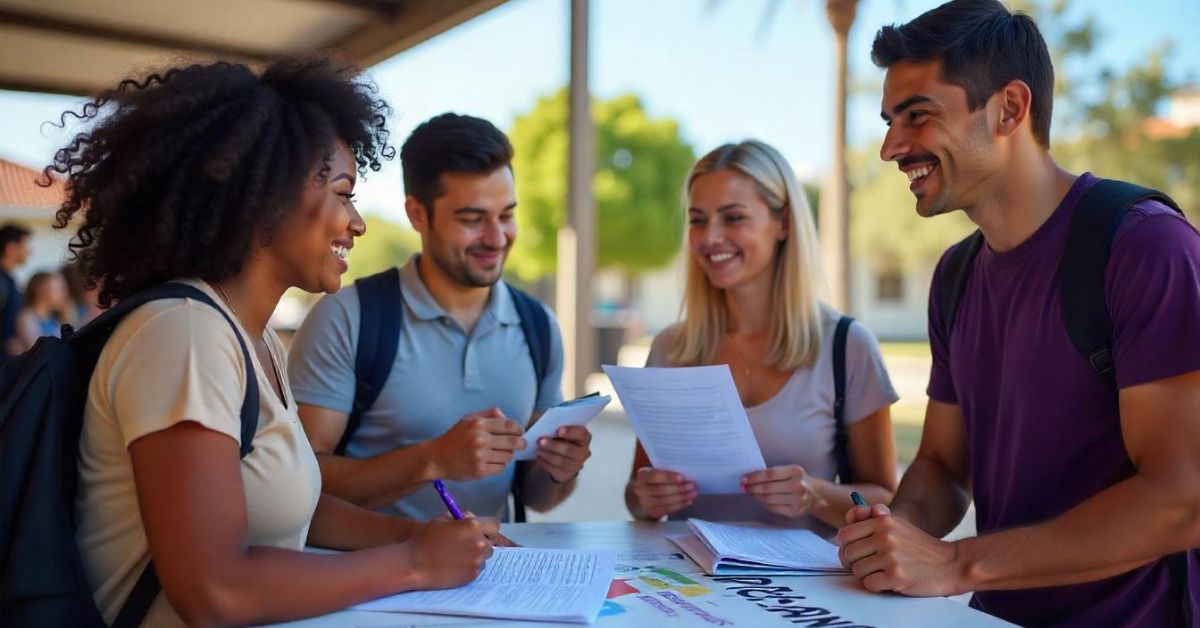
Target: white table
(655, 586)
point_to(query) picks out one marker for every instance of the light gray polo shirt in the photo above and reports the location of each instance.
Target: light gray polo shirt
(440, 374)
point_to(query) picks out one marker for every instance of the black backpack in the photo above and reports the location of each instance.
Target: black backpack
(43, 393)
(381, 320)
(1084, 306)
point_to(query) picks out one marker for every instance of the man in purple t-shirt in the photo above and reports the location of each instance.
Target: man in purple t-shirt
(1083, 482)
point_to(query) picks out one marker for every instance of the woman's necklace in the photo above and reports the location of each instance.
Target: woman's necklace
(267, 347)
(741, 356)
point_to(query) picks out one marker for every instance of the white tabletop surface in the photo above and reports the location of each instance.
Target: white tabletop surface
(654, 586)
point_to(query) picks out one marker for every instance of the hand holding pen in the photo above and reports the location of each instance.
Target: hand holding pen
(497, 539)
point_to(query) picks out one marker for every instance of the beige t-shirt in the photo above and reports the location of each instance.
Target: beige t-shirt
(170, 361)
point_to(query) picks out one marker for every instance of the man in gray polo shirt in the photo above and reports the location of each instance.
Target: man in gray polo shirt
(462, 386)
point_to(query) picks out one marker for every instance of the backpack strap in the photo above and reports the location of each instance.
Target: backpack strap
(1085, 301)
(535, 324)
(380, 319)
(841, 439)
(137, 605)
(955, 272)
(1084, 261)
(147, 587)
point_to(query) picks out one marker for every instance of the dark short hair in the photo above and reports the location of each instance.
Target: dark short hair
(450, 143)
(982, 46)
(181, 173)
(10, 234)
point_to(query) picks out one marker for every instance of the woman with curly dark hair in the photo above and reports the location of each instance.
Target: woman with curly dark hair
(240, 185)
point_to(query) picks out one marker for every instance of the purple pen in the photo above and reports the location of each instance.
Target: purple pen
(447, 499)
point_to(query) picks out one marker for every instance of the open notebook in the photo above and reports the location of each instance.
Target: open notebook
(723, 549)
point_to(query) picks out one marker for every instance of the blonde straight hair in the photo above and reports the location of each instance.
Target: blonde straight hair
(794, 338)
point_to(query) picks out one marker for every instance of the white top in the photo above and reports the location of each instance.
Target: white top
(796, 426)
(171, 361)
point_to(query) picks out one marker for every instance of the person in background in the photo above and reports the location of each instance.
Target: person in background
(14, 252)
(752, 302)
(46, 308)
(85, 303)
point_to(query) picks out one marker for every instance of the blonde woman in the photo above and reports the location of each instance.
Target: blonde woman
(752, 302)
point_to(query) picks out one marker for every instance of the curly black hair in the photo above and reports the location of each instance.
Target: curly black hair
(181, 173)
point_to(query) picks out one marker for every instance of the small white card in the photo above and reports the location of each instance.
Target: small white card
(576, 412)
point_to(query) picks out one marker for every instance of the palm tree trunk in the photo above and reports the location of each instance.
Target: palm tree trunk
(835, 201)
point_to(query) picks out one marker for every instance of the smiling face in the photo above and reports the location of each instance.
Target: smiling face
(732, 234)
(315, 239)
(472, 228)
(947, 151)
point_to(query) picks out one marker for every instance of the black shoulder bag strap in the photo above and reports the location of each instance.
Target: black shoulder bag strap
(380, 322)
(841, 439)
(955, 273)
(535, 324)
(1084, 298)
(1084, 261)
(147, 587)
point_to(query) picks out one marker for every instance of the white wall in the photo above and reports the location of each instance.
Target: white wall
(901, 320)
(660, 293)
(1184, 109)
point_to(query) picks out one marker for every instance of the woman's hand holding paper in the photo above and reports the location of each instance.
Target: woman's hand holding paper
(661, 492)
(786, 490)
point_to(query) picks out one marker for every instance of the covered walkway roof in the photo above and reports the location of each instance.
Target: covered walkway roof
(81, 46)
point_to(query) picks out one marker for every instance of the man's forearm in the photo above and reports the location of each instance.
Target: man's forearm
(379, 480)
(540, 492)
(1127, 525)
(931, 497)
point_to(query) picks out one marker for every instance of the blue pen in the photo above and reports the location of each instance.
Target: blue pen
(447, 499)
(858, 500)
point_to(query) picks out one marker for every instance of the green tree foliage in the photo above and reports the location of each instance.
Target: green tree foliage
(885, 228)
(386, 244)
(640, 166)
(1119, 137)
(1100, 125)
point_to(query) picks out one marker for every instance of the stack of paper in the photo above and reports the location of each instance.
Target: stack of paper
(575, 412)
(733, 550)
(520, 583)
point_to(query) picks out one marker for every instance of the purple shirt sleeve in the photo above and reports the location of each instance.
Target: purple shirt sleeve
(941, 382)
(1153, 287)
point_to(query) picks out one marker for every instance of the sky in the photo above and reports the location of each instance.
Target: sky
(724, 69)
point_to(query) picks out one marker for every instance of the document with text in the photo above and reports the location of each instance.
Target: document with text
(690, 420)
(520, 583)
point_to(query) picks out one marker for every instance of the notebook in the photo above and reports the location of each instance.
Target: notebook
(725, 549)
